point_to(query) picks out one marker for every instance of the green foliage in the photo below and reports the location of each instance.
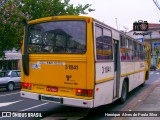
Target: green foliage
(44, 8)
(12, 13)
(11, 29)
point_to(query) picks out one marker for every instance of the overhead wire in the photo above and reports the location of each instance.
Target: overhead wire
(157, 4)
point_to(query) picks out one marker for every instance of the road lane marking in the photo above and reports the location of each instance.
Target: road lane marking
(9, 103)
(9, 94)
(153, 73)
(32, 107)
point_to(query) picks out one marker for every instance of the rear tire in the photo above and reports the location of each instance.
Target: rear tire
(142, 85)
(124, 92)
(10, 86)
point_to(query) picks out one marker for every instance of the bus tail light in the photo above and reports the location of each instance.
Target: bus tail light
(27, 86)
(84, 92)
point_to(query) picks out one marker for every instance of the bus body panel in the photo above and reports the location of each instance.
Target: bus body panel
(65, 100)
(130, 67)
(131, 82)
(103, 93)
(123, 68)
(104, 82)
(104, 71)
(115, 35)
(57, 73)
(65, 76)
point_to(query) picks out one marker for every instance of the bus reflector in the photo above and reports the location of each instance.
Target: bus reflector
(85, 103)
(84, 92)
(27, 86)
(88, 20)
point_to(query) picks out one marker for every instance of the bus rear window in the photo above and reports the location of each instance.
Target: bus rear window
(57, 37)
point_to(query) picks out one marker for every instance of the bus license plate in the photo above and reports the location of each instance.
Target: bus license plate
(52, 99)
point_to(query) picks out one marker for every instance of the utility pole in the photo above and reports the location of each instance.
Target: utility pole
(116, 23)
(150, 33)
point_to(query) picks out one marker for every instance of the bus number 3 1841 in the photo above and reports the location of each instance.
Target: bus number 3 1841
(106, 69)
(71, 67)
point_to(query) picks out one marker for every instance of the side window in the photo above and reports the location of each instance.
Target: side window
(141, 52)
(123, 50)
(138, 51)
(129, 51)
(14, 74)
(99, 43)
(19, 74)
(103, 43)
(122, 42)
(138, 47)
(107, 44)
(141, 48)
(134, 45)
(145, 54)
(130, 44)
(134, 50)
(127, 46)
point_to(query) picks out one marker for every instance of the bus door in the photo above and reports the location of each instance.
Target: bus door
(116, 67)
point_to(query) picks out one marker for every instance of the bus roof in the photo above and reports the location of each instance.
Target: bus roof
(66, 17)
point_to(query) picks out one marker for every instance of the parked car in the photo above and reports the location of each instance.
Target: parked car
(153, 67)
(10, 79)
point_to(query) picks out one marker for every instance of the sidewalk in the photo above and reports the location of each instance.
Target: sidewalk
(148, 101)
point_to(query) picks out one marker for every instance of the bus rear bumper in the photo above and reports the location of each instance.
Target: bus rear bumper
(57, 99)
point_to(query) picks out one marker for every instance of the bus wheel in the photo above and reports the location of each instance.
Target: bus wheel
(124, 92)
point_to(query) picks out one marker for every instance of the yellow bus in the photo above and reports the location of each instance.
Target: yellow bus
(158, 63)
(80, 61)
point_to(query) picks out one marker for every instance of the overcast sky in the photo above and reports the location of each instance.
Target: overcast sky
(126, 11)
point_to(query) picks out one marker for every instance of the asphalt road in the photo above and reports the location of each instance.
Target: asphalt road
(11, 101)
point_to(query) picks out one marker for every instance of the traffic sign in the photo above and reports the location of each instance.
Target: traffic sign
(155, 44)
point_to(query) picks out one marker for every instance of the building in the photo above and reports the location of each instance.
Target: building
(10, 61)
(152, 36)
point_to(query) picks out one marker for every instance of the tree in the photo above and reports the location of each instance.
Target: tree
(12, 13)
(11, 29)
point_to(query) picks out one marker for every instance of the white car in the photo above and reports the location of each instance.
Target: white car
(10, 79)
